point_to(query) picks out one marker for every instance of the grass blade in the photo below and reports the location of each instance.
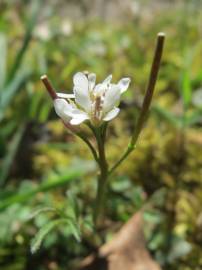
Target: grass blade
(53, 183)
(13, 87)
(186, 88)
(27, 38)
(12, 149)
(41, 234)
(168, 116)
(3, 50)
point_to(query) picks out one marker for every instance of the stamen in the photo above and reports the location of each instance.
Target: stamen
(97, 108)
(85, 72)
(98, 104)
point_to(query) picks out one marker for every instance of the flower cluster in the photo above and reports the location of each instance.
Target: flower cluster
(92, 102)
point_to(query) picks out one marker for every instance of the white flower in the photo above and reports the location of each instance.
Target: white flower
(93, 102)
(43, 32)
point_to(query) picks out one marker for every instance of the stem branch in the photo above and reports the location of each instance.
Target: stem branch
(129, 149)
(82, 137)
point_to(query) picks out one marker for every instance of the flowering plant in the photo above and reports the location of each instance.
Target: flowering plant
(95, 105)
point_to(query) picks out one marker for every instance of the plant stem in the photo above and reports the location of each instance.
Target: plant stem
(129, 149)
(100, 198)
(93, 151)
(102, 178)
(147, 100)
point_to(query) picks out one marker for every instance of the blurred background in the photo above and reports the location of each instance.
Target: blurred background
(40, 160)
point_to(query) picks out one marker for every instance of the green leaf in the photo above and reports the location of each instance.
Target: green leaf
(38, 108)
(186, 88)
(37, 240)
(166, 115)
(194, 118)
(74, 229)
(27, 38)
(35, 104)
(11, 89)
(12, 149)
(52, 183)
(88, 224)
(73, 207)
(42, 210)
(3, 50)
(41, 234)
(44, 112)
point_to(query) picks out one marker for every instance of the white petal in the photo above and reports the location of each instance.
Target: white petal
(79, 118)
(112, 114)
(111, 97)
(63, 109)
(80, 80)
(82, 98)
(76, 111)
(99, 89)
(107, 80)
(123, 84)
(63, 95)
(81, 92)
(102, 87)
(91, 80)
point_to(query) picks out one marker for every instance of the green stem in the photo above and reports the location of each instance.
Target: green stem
(93, 151)
(100, 198)
(123, 157)
(102, 178)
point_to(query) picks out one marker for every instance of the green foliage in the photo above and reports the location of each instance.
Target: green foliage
(163, 176)
(51, 183)
(36, 242)
(7, 161)
(41, 234)
(3, 49)
(68, 215)
(12, 80)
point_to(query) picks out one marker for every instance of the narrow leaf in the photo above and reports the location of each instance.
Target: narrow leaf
(41, 210)
(53, 183)
(186, 88)
(170, 117)
(12, 149)
(194, 118)
(12, 88)
(74, 230)
(27, 38)
(3, 50)
(37, 240)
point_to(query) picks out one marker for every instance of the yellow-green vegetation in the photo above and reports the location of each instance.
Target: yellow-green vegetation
(40, 160)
